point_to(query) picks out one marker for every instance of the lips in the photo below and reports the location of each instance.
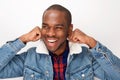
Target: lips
(51, 42)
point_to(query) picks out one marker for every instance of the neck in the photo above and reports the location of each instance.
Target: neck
(61, 49)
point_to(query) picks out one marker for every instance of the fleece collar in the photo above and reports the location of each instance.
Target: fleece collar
(75, 48)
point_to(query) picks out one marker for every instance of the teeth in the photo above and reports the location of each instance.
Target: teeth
(51, 41)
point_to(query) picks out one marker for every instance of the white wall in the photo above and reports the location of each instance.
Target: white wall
(98, 18)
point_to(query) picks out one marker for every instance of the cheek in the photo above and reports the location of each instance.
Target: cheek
(61, 35)
(43, 33)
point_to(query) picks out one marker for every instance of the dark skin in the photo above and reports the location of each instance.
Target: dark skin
(55, 32)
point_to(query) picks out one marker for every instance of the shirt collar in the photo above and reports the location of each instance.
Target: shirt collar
(74, 48)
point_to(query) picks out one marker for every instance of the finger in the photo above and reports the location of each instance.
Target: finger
(75, 39)
(37, 38)
(38, 28)
(38, 31)
(38, 35)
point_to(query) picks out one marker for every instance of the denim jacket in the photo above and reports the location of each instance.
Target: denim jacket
(36, 64)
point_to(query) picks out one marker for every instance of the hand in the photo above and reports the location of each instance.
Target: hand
(80, 37)
(33, 35)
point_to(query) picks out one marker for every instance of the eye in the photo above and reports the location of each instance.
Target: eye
(45, 27)
(59, 27)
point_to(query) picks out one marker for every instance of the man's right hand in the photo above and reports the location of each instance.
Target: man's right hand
(33, 35)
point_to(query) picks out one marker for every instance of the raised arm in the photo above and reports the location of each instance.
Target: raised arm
(106, 61)
(11, 65)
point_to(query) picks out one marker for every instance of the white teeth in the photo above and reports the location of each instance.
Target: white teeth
(51, 41)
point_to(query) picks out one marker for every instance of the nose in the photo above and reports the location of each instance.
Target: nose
(51, 32)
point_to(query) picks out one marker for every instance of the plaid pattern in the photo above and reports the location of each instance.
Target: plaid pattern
(60, 64)
(59, 68)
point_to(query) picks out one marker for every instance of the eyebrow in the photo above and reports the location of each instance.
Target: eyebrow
(59, 25)
(55, 25)
(44, 24)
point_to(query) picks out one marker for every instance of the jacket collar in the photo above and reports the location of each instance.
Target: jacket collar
(75, 48)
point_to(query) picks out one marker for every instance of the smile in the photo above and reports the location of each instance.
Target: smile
(52, 41)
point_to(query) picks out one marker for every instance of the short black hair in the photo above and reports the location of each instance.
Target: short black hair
(58, 7)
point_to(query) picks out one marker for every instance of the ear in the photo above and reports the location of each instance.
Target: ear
(70, 30)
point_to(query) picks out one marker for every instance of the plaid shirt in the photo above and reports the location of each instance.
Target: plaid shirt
(60, 64)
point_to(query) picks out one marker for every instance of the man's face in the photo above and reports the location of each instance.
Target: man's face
(54, 31)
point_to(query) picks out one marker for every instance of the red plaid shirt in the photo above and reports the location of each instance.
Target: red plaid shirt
(60, 64)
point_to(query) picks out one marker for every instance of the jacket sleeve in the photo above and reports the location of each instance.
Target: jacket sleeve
(106, 61)
(11, 65)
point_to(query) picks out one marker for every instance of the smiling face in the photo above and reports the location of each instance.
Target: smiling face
(55, 31)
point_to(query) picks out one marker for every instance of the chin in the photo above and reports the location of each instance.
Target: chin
(51, 50)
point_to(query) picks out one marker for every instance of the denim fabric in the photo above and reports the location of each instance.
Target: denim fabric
(96, 62)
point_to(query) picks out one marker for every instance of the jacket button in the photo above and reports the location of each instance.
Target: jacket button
(83, 75)
(32, 75)
(99, 49)
(47, 73)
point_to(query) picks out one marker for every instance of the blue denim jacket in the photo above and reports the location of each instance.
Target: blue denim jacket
(36, 64)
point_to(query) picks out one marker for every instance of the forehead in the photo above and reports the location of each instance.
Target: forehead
(53, 17)
(53, 14)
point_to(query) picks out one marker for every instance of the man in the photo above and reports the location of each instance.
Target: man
(59, 55)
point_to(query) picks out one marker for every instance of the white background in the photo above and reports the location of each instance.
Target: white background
(98, 18)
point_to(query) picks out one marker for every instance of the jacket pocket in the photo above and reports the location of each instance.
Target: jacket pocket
(31, 74)
(82, 73)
